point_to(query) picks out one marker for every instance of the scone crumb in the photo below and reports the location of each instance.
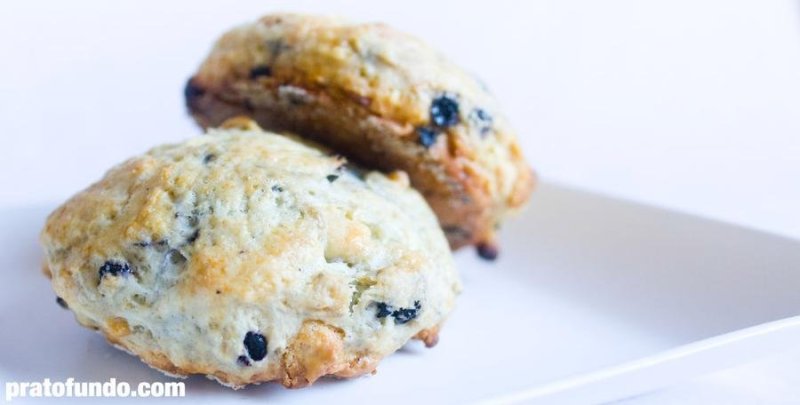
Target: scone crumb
(316, 350)
(399, 177)
(46, 271)
(428, 336)
(240, 122)
(118, 327)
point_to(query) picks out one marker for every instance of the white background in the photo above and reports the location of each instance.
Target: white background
(690, 105)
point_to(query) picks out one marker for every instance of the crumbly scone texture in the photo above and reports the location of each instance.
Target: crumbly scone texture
(380, 97)
(248, 257)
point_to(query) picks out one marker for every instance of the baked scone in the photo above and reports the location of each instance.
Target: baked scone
(248, 257)
(380, 97)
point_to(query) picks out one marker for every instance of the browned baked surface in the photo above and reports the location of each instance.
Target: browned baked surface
(316, 351)
(250, 257)
(380, 97)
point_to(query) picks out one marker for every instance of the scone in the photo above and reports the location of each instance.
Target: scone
(380, 97)
(248, 257)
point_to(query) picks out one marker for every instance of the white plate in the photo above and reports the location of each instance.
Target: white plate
(592, 299)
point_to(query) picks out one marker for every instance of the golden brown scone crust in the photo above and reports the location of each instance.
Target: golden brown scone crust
(380, 97)
(187, 255)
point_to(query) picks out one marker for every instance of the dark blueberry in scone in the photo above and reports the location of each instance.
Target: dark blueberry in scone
(427, 136)
(404, 315)
(114, 268)
(192, 91)
(487, 251)
(259, 71)
(444, 111)
(482, 120)
(400, 315)
(384, 310)
(63, 304)
(193, 236)
(256, 345)
(243, 360)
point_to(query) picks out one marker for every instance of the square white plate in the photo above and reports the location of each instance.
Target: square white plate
(592, 299)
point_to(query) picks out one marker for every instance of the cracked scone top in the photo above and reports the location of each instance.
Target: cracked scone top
(378, 96)
(248, 257)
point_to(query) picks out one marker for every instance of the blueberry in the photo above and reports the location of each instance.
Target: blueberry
(384, 310)
(259, 71)
(192, 91)
(400, 315)
(444, 111)
(63, 304)
(427, 136)
(209, 158)
(243, 360)
(256, 345)
(332, 177)
(481, 119)
(193, 237)
(276, 188)
(115, 268)
(404, 315)
(487, 251)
